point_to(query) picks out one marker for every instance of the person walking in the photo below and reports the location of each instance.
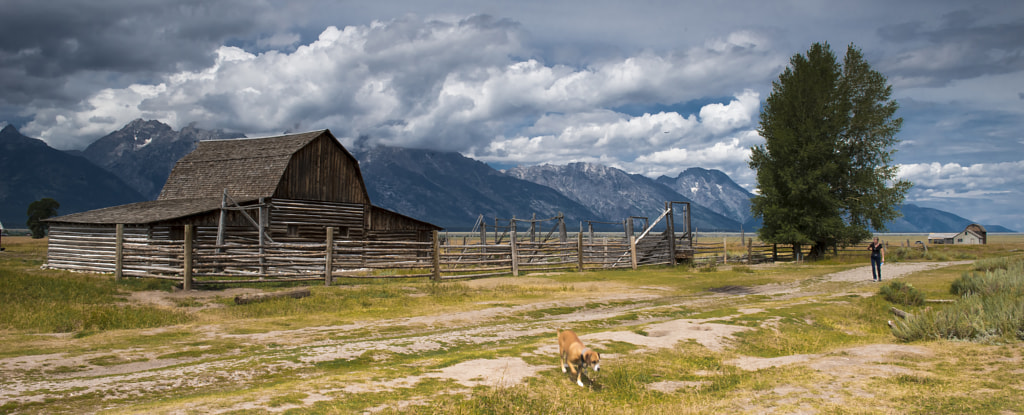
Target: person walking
(877, 259)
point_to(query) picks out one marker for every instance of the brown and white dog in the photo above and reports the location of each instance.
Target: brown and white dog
(572, 353)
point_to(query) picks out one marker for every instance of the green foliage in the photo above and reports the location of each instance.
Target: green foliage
(991, 308)
(993, 264)
(902, 293)
(973, 318)
(39, 210)
(825, 170)
(1004, 277)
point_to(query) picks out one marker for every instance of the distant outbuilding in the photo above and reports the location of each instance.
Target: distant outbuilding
(973, 234)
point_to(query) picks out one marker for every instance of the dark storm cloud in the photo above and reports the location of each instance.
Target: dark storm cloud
(45, 43)
(652, 87)
(959, 46)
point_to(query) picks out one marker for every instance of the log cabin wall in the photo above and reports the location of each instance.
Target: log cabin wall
(83, 247)
(307, 220)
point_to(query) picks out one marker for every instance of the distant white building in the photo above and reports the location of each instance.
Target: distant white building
(974, 234)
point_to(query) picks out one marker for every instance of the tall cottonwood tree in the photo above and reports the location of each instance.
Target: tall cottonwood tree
(825, 171)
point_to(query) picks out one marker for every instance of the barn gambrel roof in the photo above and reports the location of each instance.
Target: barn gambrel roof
(248, 168)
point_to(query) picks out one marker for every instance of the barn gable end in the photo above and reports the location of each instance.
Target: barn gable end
(313, 171)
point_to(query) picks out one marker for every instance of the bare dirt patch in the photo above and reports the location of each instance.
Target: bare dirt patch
(665, 335)
(173, 298)
(836, 362)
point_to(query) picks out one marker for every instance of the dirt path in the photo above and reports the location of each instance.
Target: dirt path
(890, 271)
(142, 372)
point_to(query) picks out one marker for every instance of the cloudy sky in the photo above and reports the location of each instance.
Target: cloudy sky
(648, 86)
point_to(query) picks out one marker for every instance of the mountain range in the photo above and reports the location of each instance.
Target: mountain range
(31, 170)
(611, 193)
(444, 188)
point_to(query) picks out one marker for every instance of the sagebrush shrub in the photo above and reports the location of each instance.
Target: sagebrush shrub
(902, 293)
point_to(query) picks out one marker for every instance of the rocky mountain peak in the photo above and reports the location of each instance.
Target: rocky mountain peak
(143, 152)
(9, 130)
(713, 189)
(11, 138)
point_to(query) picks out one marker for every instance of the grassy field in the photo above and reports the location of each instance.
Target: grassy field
(789, 338)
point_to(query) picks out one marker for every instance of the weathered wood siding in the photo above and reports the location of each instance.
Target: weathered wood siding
(86, 247)
(289, 221)
(307, 220)
(323, 170)
(385, 225)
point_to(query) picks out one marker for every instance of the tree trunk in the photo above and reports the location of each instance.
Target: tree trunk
(818, 250)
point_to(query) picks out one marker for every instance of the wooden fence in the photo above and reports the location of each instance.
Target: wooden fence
(192, 260)
(708, 252)
(202, 262)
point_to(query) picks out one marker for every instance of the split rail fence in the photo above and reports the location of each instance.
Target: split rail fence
(204, 263)
(193, 262)
(707, 251)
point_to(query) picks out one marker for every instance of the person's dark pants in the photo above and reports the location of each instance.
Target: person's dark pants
(876, 268)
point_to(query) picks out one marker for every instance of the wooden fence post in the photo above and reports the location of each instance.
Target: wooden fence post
(579, 251)
(437, 257)
(264, 220)
(725, 250)
(670, 231)
(750, 249)
(632, 252)
(119, 252)
(533, 228)
(775, 253)
(186, 283)
(515, 251)
(563, 236)
(329, 257)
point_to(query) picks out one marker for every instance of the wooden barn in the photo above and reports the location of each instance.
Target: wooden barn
(973, 234)
(285, 189)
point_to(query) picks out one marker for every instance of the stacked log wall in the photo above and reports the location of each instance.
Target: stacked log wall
(86, 247)
(312, 218)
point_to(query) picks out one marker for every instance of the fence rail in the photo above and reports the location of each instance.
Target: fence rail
(206, 262)
(203, 261)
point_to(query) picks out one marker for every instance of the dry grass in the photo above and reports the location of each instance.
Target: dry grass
(740, 339)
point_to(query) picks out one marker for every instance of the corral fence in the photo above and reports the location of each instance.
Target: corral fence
(196, 263)
(199, 261)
